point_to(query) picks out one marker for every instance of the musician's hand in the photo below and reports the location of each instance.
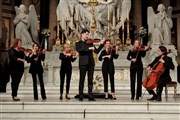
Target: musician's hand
(103, 41)
(146, 47)
(36, 59)
(133, 60)
(43, 51)
(148, 69)
(91, 48)
(22, 60)
(161, 60)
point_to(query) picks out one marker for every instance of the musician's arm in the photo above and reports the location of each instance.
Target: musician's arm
(168, 63)
(129, 56)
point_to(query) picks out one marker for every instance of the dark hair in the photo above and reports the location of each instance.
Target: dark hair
(107, 41)
(163, 49)
(15, 43)
(36, 44)
(84, 31)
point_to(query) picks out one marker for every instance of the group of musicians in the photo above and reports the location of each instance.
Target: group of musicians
(86, 66)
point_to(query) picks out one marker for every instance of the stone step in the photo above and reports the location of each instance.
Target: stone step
(88, 114)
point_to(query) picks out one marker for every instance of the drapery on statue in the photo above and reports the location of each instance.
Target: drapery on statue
(159, 25)
(83, 10)
(25, 23)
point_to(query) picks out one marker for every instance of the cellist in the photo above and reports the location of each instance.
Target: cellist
(165, 76)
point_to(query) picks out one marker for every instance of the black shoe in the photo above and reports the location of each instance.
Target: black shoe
(44, 98)
(137, 98)
(67, 97)
(92, 99)
(153, 98)
(61, 97)
(132, 98)
(15, 99)
(159, 99)
(35, 98)
(114, 97)
(80, 99)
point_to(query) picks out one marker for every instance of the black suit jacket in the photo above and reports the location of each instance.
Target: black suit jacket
(86, 55)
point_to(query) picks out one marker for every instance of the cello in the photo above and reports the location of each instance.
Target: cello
(151, 80)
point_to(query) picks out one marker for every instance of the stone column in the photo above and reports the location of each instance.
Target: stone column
(166, 3)
(137, 17)
(52, 22)
(0, 19)
(26, 3)
(178, 34)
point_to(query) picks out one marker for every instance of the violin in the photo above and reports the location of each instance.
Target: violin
(24, 50)
(91, 41)
(142, 48)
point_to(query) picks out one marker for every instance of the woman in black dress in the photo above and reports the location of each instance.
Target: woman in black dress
(136, 68)
(66, 69)
(35, 59)
(16, 66)
(165, 76)
(107, 56)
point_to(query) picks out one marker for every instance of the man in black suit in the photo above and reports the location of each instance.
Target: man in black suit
(86, 63)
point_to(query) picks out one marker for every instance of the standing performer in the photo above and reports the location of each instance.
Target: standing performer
(107, 56)
(136, 68)
(165, 76)
(35, 58)
(16, 66)
(66, 69)
(86, 63)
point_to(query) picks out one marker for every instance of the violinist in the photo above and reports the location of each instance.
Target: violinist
(107, 56)
(16, 66)
(86, 63)
(165, 76)
(136, 68)
(35, 58)
(66, 69)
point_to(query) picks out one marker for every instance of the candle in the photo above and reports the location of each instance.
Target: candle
(122, 20)
(108, 13)
(57, 28)
(127, 14)
(118, 13)
(77, 16)
(114, 19)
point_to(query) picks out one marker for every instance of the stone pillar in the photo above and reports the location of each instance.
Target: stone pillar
(178, 34)
(26, 3)
(52, 22)
(137, 17)
(0, 19)
(166, 3)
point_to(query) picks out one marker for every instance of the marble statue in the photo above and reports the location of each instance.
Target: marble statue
(24, 22)
(82, 10)
(159, 25)
(65, 11)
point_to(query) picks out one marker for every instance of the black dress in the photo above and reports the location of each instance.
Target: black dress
(37, 69)
(136, 68)
(66, 69)
(16, 69)
(108, 68)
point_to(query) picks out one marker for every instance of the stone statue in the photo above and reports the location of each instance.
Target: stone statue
(65, 11)
(23, 23)
(83, 11)
(159, 25)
